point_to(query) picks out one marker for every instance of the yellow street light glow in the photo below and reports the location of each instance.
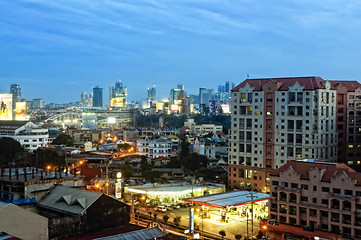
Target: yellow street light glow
(119, 175)
(97, 185)
(48, 167)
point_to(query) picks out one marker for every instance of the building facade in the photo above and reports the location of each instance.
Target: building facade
(161, 147)
(28, 134)
(97, 96)
(316, 196)
(348, 122)
(278, 120)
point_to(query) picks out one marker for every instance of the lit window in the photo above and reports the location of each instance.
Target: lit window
(269, 113)
(350, 146)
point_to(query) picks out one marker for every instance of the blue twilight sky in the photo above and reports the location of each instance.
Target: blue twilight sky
(57, 49)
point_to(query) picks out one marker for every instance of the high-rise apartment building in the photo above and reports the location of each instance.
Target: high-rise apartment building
(118, 95)
(277, 120)
(174, 93)
(84, 99)
(15, 90)
(97, 96)
(229, 86)
(151, 93)
(348, 122)
(205, 96)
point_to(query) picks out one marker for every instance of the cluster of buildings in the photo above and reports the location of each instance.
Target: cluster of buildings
(276, 124)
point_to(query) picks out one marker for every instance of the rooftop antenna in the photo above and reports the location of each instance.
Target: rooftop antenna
(247, 76)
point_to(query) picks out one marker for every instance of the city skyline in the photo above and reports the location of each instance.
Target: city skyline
(71, 47)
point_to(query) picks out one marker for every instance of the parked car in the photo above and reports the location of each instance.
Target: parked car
(169, 207)
(161, 209)
(175, 206)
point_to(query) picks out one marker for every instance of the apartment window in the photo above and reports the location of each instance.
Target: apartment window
(325, 189)
(275, 183)
(304, 199)
(348, 192)
(294, 185)
(337, 190)
(314, 188)
(304, 186)
(314, 200)
(325, 201)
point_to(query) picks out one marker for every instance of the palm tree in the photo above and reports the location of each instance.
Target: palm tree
(177, 220)
(222, 233)
(238, 236)
(165, 218)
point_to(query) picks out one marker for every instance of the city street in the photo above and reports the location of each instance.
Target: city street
(235, 225)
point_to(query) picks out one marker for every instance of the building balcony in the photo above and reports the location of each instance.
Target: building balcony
(335, 220)
(346, 222)
(293, 213)
(283, 211)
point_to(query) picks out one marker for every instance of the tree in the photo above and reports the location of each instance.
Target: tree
(11, 152)
(222, 233)
(165, 218)
(177, 220)
(238, 236)
(155, 216)
(150, 215)
(63, 139)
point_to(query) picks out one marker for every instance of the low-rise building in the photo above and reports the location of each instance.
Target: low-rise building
(22, 223)
(76, 211)
(155, 148)
(83, 146)
(28, 134)
(315, 195)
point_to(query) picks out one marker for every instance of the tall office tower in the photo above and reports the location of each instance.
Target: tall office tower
(174, 93)
(118, 95)
(184, 102)
(348, 122)
(151, 93)
(15, 90)
(221, 89)
(180, 86)
(229, 86)
(277, 120)
(205, 95)
(97, 96)
(84, 99)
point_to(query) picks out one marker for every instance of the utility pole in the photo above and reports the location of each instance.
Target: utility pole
(252, 197)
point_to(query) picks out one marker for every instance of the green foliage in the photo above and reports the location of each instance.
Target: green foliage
(222, 233)
(145, 166)
(206, 173)
(124, 147)
(174, 163)
(11, 151)
(195, 161)
(63, 139)
(151, 175)
(177, 121)
(125, 170)
(45, 157)
(165, 218)
(177, 220)
(238, 236)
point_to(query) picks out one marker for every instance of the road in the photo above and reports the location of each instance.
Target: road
(211, 226)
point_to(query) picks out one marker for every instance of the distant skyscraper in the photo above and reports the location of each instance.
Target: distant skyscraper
(174, 93)
(84, 99)
(180, 86)
(205, 96)
(118, 95)
(15, 90)
(151, 93)
(229, 85)
(221, 88)
(97, 96)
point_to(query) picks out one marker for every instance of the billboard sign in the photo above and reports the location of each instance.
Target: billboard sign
(117, 102)
(20, 110)
(6, 107)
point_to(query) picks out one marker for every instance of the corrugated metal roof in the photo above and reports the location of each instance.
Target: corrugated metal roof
(2, 205)
(144, 234)
(68, 200)
(223, 200)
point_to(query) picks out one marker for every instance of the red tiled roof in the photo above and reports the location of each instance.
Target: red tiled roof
(350, 85)
(332, 170)
(310, 83)
(299, 231)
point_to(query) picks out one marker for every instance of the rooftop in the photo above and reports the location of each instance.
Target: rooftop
(223, 200)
